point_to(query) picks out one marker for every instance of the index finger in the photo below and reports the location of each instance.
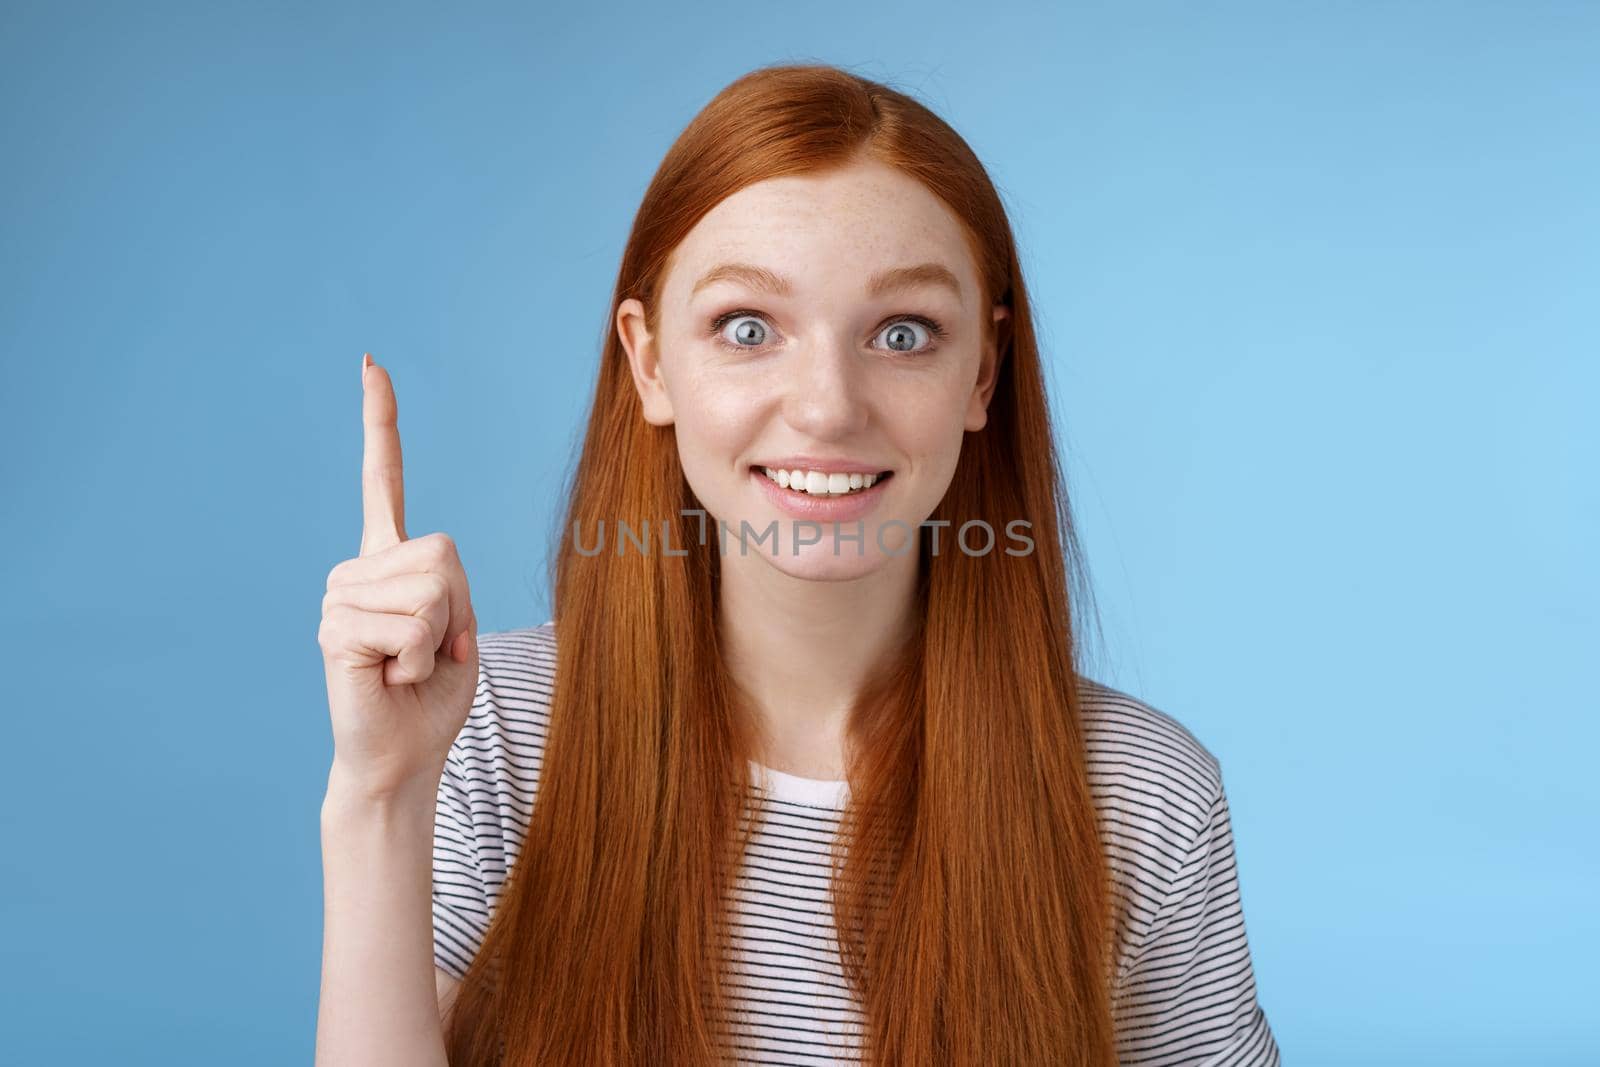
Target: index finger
(382, 485)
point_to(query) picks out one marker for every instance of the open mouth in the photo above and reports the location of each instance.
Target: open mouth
(823, 483)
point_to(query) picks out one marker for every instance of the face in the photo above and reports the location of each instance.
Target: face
(827, 327)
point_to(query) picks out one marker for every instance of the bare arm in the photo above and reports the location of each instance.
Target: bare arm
(447, 986)
(381, 995)
(399, 645)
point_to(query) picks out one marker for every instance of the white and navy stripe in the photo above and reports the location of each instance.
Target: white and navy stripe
(1185, 991)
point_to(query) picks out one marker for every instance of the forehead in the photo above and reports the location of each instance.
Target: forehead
(846, 225)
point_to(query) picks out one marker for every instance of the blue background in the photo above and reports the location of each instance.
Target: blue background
(1317, 283)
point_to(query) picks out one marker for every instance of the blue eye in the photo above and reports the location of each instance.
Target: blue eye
(756, 334)
(744, 333)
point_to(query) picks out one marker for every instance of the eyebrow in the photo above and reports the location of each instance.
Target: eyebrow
(892, 280)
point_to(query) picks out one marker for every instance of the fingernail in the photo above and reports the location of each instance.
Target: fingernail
(366, 361)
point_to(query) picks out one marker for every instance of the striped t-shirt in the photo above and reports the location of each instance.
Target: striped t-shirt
(1185, 989)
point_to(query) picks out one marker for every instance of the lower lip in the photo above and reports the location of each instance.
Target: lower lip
(802, 505)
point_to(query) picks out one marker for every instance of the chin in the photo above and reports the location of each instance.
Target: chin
(817, 563)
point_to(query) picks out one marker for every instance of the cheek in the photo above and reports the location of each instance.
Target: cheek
(928, 422)
(716, 418)
(930, 428)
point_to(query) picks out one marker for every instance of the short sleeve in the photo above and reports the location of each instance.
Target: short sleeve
(1188, 995)
(460, 896)
(467, 850)
(486, 790)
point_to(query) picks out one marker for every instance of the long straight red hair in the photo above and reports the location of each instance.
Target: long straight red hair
(971, 890)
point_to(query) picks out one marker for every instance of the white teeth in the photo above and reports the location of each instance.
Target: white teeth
(820, 483)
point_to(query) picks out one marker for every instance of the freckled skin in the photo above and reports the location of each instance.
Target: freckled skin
(819, 375)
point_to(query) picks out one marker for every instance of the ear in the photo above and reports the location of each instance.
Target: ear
(644, 361)
(988, 369)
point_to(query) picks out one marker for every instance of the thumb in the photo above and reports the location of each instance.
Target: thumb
(466, 642)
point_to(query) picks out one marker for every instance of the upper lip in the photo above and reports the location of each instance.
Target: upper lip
(838, 465)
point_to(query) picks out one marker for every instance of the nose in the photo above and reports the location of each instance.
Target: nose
(825, 394)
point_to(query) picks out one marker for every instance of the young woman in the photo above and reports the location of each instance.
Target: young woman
(802, 770)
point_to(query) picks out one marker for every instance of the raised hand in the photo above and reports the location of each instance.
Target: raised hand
(399, 637)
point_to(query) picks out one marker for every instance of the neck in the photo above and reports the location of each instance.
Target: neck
(801, 651)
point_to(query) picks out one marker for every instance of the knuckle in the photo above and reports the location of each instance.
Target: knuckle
(443, 546)
(419, 634)
(328, 633)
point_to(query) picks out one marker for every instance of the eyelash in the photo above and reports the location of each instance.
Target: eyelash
(937, 331)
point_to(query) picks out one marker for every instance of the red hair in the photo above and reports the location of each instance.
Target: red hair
(972, 896)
